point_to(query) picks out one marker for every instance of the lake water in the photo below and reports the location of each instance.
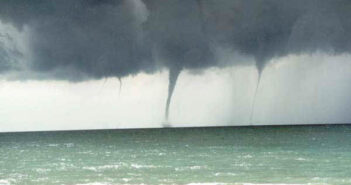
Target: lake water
(224, 155)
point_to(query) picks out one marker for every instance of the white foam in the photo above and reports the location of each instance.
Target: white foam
(42, 170)
(4, 182)
(99, 168)
(7, 181)
(138, 166)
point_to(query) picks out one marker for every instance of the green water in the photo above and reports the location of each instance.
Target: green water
(233, 155)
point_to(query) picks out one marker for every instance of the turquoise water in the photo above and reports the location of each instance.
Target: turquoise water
(232, 155)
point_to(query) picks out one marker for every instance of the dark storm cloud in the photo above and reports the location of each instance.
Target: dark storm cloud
(94, 39)
(109, 38)
(271, 28)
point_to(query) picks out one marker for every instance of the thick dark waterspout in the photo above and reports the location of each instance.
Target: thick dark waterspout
(120, 85)
(173, 76)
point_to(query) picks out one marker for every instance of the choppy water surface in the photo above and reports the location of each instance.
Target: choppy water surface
(289, 154)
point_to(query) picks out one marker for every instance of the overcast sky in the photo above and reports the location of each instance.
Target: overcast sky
(77, 64)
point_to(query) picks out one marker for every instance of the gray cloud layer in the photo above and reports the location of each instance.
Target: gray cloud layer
(95, 39)
(122, 37)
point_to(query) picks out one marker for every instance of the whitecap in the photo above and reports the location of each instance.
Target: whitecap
(4, 182)
(99, 168)
(138, 166)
